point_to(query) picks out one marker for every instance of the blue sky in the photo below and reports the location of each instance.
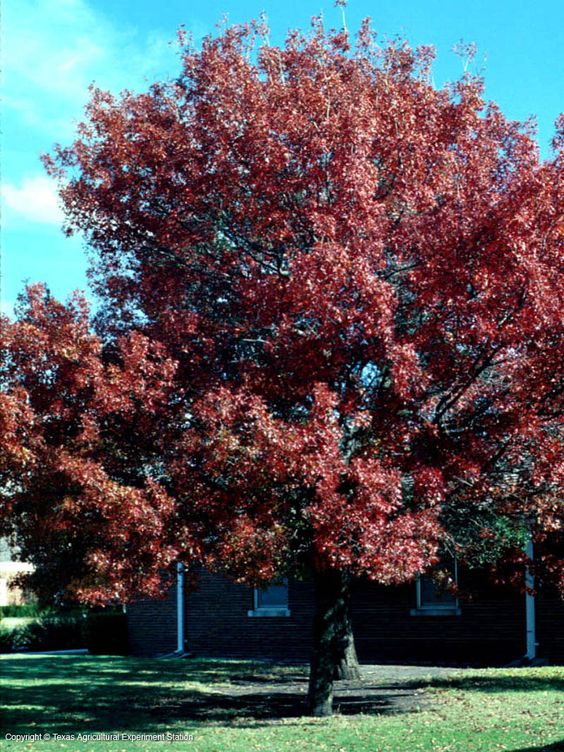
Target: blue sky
(53, 49)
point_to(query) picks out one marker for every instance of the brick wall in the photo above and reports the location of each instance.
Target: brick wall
(490, 629)
(151, 625)
(217, 622)
(550, 625)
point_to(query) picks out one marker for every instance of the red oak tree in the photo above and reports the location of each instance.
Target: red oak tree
(331, 332)
(76, 422)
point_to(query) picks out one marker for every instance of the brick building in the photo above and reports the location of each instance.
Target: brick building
(409, 623)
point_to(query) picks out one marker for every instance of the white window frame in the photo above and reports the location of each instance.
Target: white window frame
(268, 611)
(436, 609)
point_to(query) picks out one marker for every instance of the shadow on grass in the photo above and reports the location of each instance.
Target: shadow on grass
(106, 669)
(556, 747)
(63, 711)
(65, 694)
(501, 683)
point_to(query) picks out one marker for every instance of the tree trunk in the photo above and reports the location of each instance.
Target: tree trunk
(333, 645)
(346, 662)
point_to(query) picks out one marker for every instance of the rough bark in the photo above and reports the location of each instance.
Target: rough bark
(333, 646)
(346, 662)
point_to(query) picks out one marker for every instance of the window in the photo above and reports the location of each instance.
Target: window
(271, 600)
(434, 600)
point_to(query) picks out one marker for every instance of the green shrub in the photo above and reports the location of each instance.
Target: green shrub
(106, 633)
(12, 639)
(102, 632)
(48, 632)
(20, 612)
(6, 640)
(56, 632)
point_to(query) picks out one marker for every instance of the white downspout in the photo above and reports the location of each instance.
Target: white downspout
(180, 608)
(531, 653)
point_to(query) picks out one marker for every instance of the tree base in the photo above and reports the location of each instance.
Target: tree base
(347, 672)
(334, 655)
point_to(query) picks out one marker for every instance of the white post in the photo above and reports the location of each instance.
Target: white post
(531, 653)
(180, 608)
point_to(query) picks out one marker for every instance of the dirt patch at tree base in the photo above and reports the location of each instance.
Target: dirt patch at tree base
(272, 696)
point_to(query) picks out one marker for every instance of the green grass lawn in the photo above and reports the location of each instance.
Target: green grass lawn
(13, 622)
(521, 710)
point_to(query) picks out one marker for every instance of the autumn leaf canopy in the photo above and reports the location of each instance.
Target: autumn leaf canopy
(330, 330)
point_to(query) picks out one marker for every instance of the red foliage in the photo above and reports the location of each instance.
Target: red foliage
(358, 277)
(72, 415)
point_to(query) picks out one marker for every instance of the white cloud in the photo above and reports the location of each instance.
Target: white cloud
(7, 307)
(34, 200)
(54, 49)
